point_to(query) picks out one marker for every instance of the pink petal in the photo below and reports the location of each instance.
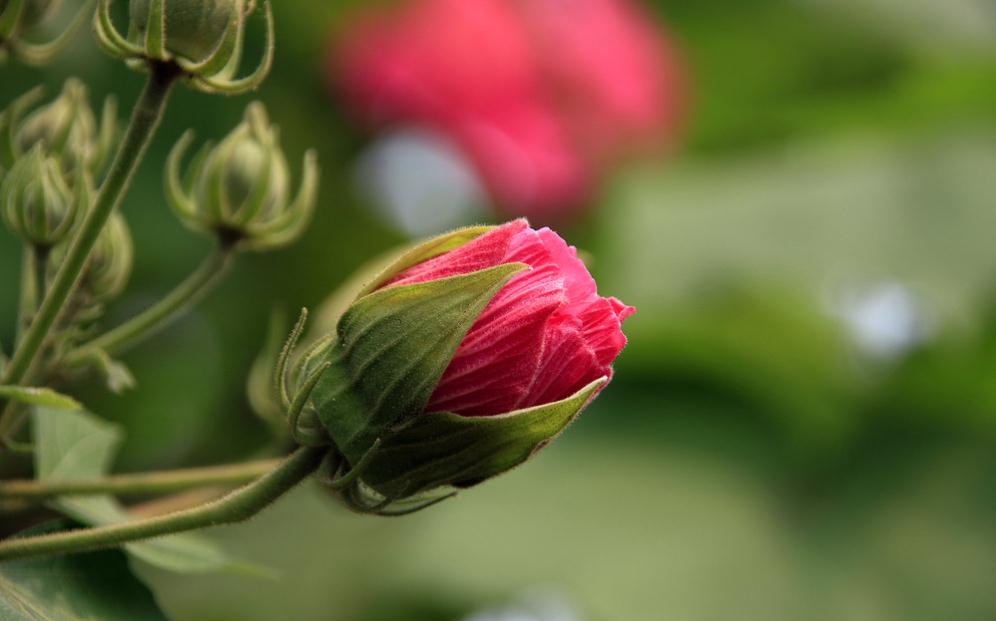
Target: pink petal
(486, 251)
(543, 337)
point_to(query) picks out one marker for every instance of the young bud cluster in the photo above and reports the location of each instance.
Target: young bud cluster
(240, 190)
(203, 38)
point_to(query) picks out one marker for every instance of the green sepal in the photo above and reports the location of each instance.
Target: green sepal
(391, 349)
(449, 450)
(422, 252)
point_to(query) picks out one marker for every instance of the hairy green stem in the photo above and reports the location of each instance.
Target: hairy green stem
(162, 482)
(145, 120)
(159, 316)
(235, 507)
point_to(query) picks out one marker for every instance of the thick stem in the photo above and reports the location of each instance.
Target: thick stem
(164, 482)
(235, 507)
(144, 121)
(157, 317)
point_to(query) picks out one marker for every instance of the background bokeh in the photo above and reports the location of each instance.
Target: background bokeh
(804, 423)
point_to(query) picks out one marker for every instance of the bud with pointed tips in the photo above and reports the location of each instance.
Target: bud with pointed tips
(108, 268)
(458, 362)
(20, 17)
(65, 128)
(37, 202)
(203, 38)
(240, 190)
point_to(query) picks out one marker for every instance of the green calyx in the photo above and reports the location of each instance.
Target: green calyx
(390, 351)
(65, 129)
(193, 27)
(444, 450)
(37, 202)
(240, 189)
(203, 38)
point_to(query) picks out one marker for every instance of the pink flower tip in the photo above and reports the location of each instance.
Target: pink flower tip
(543, 337)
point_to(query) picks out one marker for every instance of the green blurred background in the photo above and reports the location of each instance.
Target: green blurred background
(804, 423)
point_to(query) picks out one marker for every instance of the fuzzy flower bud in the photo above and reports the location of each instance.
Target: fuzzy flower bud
(240, 190)
(109, 267)
(37, 203)
(460, 361)
(204, 38)
(21, 17)
(65, 129)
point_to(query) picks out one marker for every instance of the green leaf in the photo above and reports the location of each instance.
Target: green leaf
(76, 445)
(393, 346)
(44, 397)
(77, 587)
(445, 449)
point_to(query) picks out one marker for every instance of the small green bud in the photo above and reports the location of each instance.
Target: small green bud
(239, 190)
(110, 264)
(109, 267)
(193, 27)
(65, 129)
(203, 38)
(20, 17)
(38, 204)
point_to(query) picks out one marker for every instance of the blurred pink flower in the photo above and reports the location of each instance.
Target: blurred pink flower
(541, 95)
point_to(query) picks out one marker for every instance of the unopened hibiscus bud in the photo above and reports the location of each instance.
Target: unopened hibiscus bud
(65, 129)
(460, 361)
(108, 268)
(37, 202)
(19, 18)
(204, 38)
(240, 190)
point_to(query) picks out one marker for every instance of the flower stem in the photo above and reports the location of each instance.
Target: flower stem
(235, 507)
(163, 482)
(157, 317)
(145, 119)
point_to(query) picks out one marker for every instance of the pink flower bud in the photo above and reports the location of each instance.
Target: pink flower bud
(461, 360)
(543, 337)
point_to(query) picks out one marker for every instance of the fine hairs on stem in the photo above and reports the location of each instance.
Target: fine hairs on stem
(235, 507)
(159, 482)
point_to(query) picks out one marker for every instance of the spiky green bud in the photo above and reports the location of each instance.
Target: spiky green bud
(239, 190)
(65, 129)
(37, 202)
(204, 38)
(108, 268)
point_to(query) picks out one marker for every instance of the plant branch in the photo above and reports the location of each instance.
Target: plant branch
(157, 317)
(164, 482)
(145, 120)
(235, 507)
